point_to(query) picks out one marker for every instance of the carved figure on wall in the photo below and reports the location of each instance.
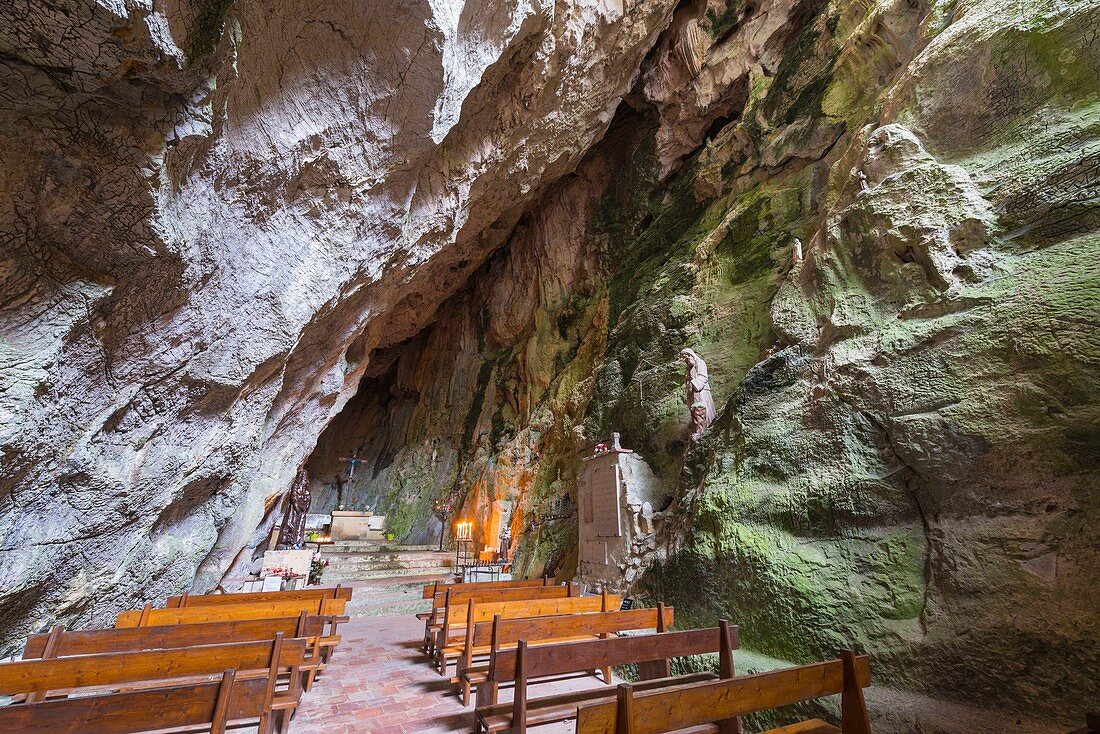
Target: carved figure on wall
(292, 532)
(697, 388)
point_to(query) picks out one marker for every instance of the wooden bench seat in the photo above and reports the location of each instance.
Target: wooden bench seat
(451, 639)
(715, 704)
(652, 653)
(438, 590)
(197, 707)
(489, 638)
(150, 617)
(444, 601)
(563, 707)
(476, 674)
(60, 642)
(431, 589)
(319, 592)
(149, 677)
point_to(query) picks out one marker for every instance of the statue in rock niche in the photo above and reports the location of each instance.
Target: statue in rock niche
(292, 533)
(697, 387)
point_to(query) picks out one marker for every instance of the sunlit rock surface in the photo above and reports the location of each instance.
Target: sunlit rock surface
(468, 242)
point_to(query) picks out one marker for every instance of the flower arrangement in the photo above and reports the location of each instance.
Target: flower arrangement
(317, 567)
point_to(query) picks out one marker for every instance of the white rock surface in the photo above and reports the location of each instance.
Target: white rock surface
(204, 236)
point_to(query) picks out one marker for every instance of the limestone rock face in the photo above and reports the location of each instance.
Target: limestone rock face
(213, 214)
(468, 240)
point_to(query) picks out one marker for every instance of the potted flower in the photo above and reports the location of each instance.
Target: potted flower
(317, 567)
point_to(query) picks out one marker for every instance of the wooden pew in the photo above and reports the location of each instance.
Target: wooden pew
(60, 642)
(431, 589)
(149, 677)
(149, 617)
(444, 601)
(698, 706)
(491, 638)
(199, 707)
(651, 652)
(451, 639)
(196, 600)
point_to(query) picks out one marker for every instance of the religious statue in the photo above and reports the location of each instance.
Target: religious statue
(292, 533)
(698, 397)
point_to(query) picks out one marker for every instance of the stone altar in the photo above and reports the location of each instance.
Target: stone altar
(620, 502)
(350, 525)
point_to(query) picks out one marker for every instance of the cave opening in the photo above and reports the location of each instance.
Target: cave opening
(768, 328)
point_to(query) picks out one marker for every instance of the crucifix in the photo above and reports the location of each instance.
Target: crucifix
(353, 461)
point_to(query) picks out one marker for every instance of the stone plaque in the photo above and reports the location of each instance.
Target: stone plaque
(593, 551)
(606, 505)
(298, 560)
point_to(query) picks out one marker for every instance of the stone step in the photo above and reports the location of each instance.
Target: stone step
(369, 560)
(388, 553)
(388, 558)
(364, 546)
(351, 567)
(336, 576)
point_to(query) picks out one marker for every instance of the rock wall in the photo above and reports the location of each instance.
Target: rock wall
(878, 224)
(213, 214)
(469, 240)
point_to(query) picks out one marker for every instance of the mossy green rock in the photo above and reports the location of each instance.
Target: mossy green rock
(905, 459)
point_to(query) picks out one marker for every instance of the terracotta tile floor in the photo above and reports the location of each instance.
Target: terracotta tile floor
(380, 683)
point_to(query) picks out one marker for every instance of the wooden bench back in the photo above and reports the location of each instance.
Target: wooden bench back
(446, 598)
(210, 704)
(432, 589)
(197, 600)
(60, 642)
(484, 611)
(510, 631)
(444, 601)
(149, 617)
(459, 616)
(678, 707)
(651, 652)
(575, 657)
(117, 668)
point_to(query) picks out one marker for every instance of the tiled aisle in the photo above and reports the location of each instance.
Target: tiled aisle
(380, 683)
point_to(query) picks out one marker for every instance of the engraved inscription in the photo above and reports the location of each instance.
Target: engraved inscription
(605, 500)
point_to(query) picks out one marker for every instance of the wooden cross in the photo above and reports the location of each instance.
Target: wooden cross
(353, 461)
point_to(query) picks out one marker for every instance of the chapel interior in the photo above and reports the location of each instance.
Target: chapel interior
(563, 366)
